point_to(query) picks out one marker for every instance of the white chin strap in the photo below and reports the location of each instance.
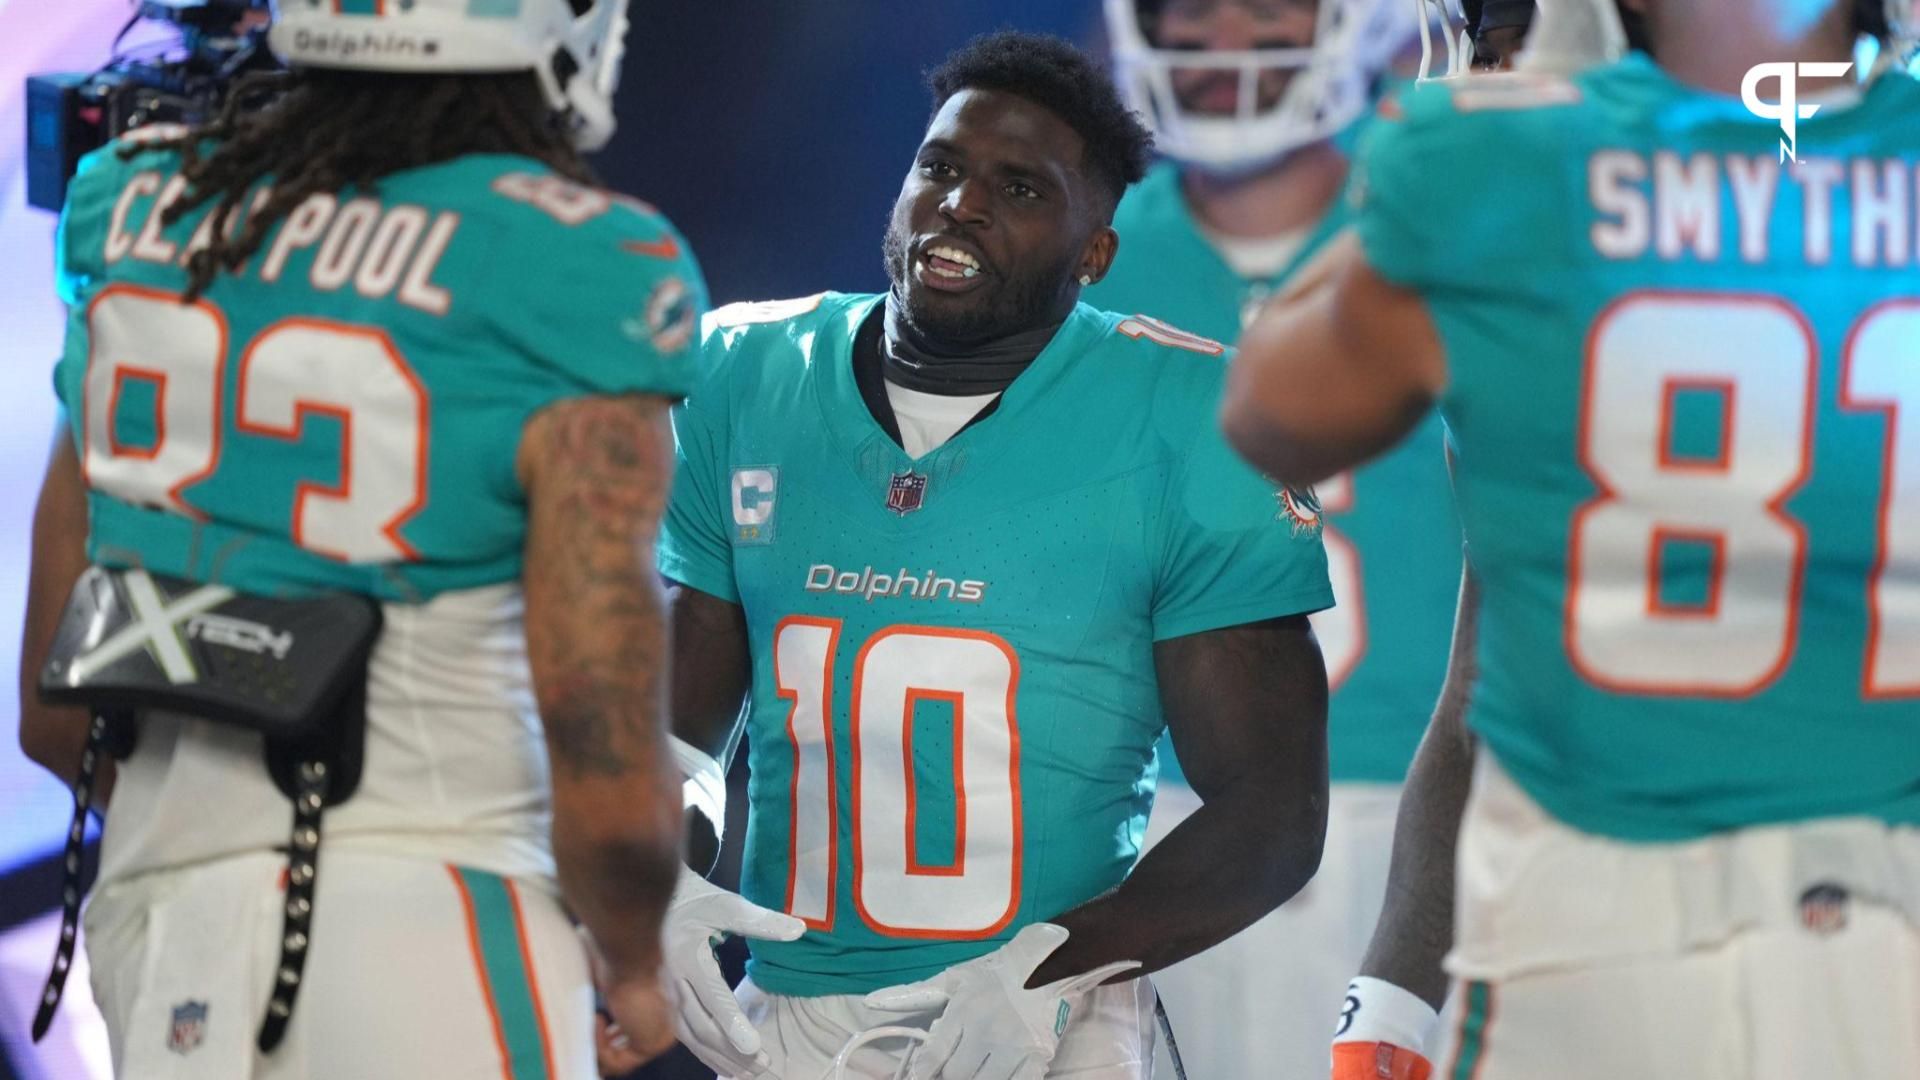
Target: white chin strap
(913, 1036)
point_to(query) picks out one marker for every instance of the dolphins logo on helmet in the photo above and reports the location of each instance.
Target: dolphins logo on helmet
(572, 46)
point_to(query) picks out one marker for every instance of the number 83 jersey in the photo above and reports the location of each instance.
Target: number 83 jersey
(342, 413)
(954, 706)
(343, 410)
(1685, 401)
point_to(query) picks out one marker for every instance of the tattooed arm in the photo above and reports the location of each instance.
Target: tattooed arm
(1247, 709)
(596, 472)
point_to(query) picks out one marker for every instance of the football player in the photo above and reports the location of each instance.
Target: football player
(1255, 103)
(1499, 28)
(372, 342)
(965, 550)
(1690, 848)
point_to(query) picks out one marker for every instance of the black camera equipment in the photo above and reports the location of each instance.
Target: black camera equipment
(182, 80)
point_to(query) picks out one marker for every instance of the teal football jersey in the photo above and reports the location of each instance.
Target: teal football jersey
(344, 412)
(1393, 544)
(1678, 373)
(954, 704)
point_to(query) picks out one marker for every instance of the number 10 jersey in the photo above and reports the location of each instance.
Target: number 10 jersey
(954, 705)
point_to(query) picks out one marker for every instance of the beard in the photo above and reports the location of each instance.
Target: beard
(1021, 299)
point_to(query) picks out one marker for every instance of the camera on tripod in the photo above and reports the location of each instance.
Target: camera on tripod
(70, 114)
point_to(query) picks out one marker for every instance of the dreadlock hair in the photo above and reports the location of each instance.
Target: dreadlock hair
(318, 130)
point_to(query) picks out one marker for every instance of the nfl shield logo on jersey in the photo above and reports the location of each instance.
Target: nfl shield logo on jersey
(188, 1028)
(1823, 908)
(905, 492)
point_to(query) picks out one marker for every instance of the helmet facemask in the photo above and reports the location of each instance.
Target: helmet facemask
(1326, 85)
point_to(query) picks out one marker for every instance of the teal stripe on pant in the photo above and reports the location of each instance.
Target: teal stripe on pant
(357, 7)
(501, 952)
(1473, 1031)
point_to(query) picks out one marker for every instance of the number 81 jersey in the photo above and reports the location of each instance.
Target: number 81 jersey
(1685, 401)
(954, 705)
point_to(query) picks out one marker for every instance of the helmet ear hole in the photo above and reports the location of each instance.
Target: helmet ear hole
(564, 66)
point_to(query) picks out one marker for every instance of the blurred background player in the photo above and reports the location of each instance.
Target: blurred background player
(1498, 29)
(967, 549)
(1254, 103)
(307, 357)
(1690, 847)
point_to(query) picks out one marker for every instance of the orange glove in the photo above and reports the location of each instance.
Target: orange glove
(1378, 1061)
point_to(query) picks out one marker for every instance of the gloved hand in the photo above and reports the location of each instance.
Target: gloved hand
(993, 1027)
(708, 1020)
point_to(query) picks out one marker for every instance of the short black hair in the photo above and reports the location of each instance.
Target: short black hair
(1053, 73)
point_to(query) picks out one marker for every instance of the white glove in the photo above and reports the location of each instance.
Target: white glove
(993, 1027)
(708, 1020)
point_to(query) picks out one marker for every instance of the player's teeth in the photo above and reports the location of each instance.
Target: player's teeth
(956, 255)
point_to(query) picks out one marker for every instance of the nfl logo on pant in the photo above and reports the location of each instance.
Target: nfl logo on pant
(188, 1028)
(905, 492)
(1823, 908)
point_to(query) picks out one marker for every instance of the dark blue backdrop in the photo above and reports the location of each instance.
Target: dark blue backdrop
(776, 134)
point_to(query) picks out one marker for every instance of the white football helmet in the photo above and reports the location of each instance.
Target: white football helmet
(572, 46)
(1447, 20)
(1353, 41)
(1569, 36)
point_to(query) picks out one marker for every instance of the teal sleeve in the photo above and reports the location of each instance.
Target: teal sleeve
(1454, 178)
(1408, 206)
(695, 546)
(80, 264)
(611, 306)
(1232, 551)
(80, 245)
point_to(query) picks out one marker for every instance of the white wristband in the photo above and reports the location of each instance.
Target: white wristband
(1378, 1011)
(705, 789)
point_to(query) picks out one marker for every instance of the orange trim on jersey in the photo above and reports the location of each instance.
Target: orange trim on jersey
(480, 968)
(219, 379)
(664, 248)
(1013, 784)
(825, 922)
(1876, 685)
(295, 430)
(1716, 573)
(958, 867)
(1162, 333)
(533, 976)
(1604, 494)
(1722, 458)
(159, 380)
